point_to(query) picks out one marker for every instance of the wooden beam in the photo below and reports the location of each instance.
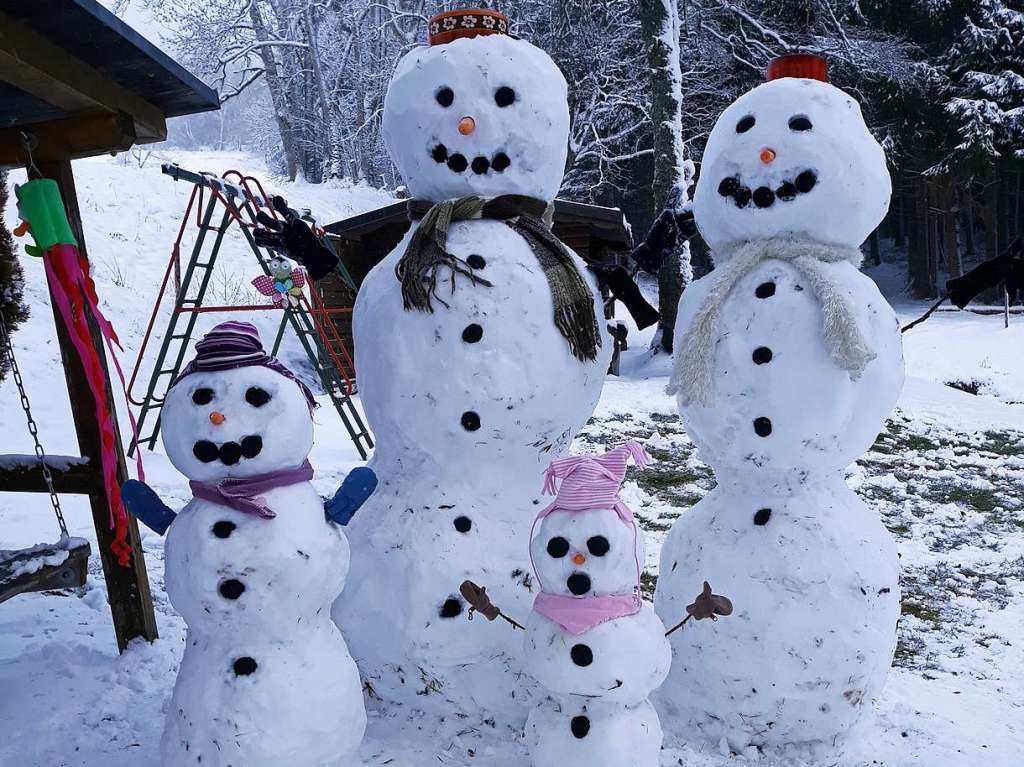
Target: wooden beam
(71, 474)
(70, 138)
(127, 587)
(38, 66)
(42, 568)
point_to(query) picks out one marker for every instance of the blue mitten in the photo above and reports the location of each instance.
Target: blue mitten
(145, 505)
(357, 487)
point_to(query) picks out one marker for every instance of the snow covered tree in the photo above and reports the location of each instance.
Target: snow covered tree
(672, 170)
(11, 278)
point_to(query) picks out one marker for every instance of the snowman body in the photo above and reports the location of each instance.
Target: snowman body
(812, 572)
(266, 678)
(469, 402)
(597, 678)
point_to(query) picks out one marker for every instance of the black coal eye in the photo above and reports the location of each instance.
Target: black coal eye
(799, 122)
(445, 96)
(745, 124)
(202, 396)
(598, 545)
(558, 547)
(504, 96)
(256, 396)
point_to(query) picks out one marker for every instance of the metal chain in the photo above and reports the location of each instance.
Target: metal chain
(8, 350)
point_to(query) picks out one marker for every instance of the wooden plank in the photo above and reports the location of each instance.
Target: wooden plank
(74, 137)
(42, 568)
(36, 65)
(71, 474)
(127, 587)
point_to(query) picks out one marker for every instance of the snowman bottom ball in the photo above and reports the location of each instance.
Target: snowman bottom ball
(577, 731)
(814, 577)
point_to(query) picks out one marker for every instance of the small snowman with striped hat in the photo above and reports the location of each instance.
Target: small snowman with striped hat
(592, 642)
(253, 563)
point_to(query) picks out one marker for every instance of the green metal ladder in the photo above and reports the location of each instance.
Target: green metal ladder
(239, 203)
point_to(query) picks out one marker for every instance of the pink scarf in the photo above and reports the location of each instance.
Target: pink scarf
(243, 493)
(578, 615)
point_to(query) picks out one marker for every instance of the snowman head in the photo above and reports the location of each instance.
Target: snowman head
(587, 553)
(484, 114)
(235, 411)
(586, 543)
(792, 158)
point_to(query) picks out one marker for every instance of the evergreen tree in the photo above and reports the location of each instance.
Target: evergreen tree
(11, 278)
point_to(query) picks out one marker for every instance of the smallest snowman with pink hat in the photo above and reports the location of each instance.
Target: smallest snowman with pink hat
(592, 642)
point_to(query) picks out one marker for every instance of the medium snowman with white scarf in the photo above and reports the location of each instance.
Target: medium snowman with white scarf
(788, 363)
(253, 563)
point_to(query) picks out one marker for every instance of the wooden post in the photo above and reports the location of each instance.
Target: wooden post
(131, 605)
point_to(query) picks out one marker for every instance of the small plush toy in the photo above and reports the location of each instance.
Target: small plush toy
(283, 285)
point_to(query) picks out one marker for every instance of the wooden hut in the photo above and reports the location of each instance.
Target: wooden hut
(76, 81)
(598, 234)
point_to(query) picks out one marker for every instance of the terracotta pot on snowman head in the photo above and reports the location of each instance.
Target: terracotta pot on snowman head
(477, 112)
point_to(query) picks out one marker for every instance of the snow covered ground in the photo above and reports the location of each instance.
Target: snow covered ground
(947, 475)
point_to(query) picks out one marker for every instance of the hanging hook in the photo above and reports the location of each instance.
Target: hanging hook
(30, 143)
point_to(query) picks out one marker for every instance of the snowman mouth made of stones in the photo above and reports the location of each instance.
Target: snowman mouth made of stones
(766, 195)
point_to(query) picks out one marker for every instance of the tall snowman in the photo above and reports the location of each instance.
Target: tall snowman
(479, 353)
(252, 565)
(789, 362)
(592, 643)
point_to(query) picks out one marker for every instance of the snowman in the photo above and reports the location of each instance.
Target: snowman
(789, 362)
(594, 645)
(479, 354)
(252, 565)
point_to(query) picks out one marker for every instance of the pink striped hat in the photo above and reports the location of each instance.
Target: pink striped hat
(592, 481)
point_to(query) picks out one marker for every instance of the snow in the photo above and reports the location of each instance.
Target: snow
(954, 699)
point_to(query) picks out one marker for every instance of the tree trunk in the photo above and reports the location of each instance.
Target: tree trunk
(920, 276)
(967, 215)
(950, 211)
(659, 20)
(277, 93)
(876, 254)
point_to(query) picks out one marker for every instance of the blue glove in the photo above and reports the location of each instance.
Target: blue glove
(357, 487)
(145, 505)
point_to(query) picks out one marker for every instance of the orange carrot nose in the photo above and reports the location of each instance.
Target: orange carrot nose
(22, 229)
(467, 125)
(217, 418)
(767, 156)
(579, 559)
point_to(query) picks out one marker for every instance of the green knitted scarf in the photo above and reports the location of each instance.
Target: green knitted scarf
(420, 266)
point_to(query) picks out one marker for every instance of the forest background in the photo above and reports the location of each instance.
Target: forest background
(941, 83)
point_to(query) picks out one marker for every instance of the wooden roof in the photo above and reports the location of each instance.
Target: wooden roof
(84, 82)
(609, 224)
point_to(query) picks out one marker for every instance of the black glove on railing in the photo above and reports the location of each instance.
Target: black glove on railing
(293, 237)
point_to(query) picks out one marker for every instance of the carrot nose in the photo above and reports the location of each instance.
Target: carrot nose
(217, 418)
(579, 559)
(767, 156)
(467, 125)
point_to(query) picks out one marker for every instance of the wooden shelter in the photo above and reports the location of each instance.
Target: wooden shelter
(80, 82)
(597, 233)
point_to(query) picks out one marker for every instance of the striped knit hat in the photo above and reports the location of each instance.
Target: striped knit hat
(592, 481)
(232, 345)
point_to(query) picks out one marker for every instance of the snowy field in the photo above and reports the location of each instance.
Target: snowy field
(947, 476)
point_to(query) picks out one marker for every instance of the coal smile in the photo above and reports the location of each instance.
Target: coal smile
(457, 163)
(228, 453)
(765, 196)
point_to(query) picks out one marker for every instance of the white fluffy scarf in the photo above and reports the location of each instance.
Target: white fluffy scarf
(693, 367)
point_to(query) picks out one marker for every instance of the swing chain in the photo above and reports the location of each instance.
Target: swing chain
(33, 429)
